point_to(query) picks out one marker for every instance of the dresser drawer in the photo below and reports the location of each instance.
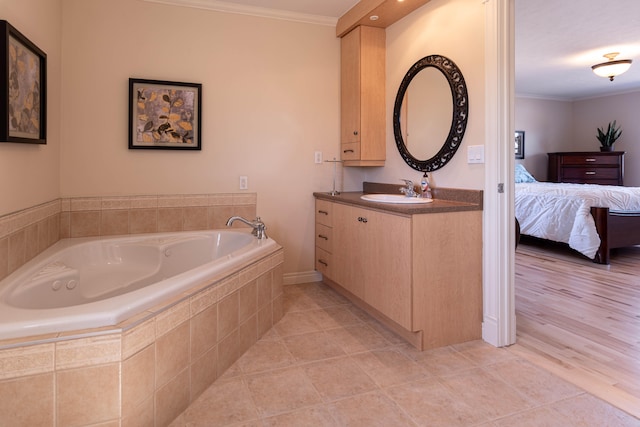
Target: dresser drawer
(324, 237)
(589, 160)
(324, 213)
(590, 173)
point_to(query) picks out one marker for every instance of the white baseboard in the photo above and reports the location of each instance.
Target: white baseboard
(302, 277)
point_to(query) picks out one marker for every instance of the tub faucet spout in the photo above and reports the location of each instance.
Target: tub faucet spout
(258, 226)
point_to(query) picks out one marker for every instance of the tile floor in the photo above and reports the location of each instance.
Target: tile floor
(327, 363)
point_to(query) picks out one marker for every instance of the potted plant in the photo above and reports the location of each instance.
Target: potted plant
(609, 137)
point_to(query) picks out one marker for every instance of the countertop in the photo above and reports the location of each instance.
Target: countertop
(444, 200)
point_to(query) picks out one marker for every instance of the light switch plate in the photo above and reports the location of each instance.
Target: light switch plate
(475, 154)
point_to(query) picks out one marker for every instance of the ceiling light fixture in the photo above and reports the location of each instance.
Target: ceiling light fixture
(612, 67)
(374, 17)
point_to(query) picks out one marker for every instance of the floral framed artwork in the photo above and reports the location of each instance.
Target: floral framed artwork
(164, 115)
(23, 88)
(519, 144)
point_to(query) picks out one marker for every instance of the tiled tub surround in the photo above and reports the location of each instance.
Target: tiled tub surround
(146, 370)
(26, 233)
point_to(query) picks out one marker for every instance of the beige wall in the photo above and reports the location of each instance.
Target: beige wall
(270, 99)
(29, 174)
(555, 125)
(453, 28)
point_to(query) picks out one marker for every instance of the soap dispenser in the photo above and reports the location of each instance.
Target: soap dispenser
(425, 190)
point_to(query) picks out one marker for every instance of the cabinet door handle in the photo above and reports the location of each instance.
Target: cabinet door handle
(589, 173)
(323, 212)
(348, 151)
(323, 262)
(590, 159)
(362, 219)
(355, 132)
(323, 237)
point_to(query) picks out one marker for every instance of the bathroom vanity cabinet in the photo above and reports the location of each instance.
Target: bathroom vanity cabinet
(362, 97)
(417, 269)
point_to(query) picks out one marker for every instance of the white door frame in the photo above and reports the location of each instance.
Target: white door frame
(499, 325)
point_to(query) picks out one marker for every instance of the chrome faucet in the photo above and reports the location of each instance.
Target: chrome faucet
(408, 190)
(258, 226)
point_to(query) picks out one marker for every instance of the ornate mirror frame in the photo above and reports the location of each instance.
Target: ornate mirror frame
(460, 101)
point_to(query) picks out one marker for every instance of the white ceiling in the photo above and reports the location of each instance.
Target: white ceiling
(557, 41)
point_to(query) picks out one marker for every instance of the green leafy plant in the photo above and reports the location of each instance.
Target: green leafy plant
(610, 136)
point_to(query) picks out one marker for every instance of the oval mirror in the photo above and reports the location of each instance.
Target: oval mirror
(430, 113)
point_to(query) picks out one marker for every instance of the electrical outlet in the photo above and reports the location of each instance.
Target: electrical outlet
(318, 157)
(244, 182)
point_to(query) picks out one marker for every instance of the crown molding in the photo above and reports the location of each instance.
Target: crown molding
(263, 12)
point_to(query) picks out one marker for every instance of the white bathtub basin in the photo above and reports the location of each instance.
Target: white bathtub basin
(394, 198)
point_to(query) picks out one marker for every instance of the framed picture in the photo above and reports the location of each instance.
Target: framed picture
(164, 115)
(23, 88)
(519, 144)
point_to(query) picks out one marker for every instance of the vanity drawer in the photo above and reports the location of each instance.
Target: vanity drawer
(324, 213)
(323, 262)
(324, 237)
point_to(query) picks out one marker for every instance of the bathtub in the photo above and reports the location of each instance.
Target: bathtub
(86, 283)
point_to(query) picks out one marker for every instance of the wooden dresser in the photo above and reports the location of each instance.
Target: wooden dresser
(584, 167)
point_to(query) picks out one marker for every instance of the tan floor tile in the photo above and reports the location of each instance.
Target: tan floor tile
(225, 402)
(538, 417)
(536, 384)
(485, 393)
(369, 410)
(440, 361)
(294, 323)
(334, 317)
(357, 338)
(282, 391)
(430, 403)
(312, 346)
(265, 355)
(482, 353)
(389, 367)
(315, 416)
(339, 378)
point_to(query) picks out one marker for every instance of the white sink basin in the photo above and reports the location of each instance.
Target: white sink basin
(394, 198)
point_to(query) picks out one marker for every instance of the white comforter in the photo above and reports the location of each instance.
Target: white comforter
(561, 212)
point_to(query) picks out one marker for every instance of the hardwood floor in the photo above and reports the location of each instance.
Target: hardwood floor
(581, 320)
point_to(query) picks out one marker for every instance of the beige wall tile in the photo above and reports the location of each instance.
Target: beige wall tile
(144, 202)
(86, 204)
(4, 257)
(27, 401)
(16, 250)
(172, 354)
(54, 229)
(43, 235)
(138, 380)
(172, 399)
(264, 320)
(31, 244)
(114, 222)
(204, 371)
(141, 416)
(195, 218)
(204, 299)
(88, 395)
(169, 219)
(220, 200)
(171, 318)
(28, 360)
(65, 225)
(218, 216)
(138, 338)
(248, 301)
(85, 223)
(247, 334)
(88, 351)
(143, 221)
(120, 203)
(228, 352)
(264, 289)
(228, 310)
(204, 331)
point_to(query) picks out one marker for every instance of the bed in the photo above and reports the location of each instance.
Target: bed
(592, 219)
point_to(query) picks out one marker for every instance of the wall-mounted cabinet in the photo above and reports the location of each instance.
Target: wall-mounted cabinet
(363, 97)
